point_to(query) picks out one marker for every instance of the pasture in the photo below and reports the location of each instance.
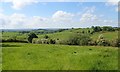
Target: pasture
(25, 56)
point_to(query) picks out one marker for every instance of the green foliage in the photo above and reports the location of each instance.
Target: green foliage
(31, 36)
(46, 36)
(102, 41)
(61, 37)
(115, 43)
(83, 32)
(23, 32)
(107, 28)
(43, 41)
(79, 39)
(61, 30)
(13, 37)
(52, 41)
(88, 31)
(92, 43)
(96, 28)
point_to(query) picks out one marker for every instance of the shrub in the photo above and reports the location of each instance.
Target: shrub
(92, 43)
(115, 43)
(63, 42)
(83, 32)
(102, 41)
(52, 41)
(36, 41)
(13, 37)
(46, 36)
(79, 39)
(88, 31)
(12, 40)
(84, 40)
(43, 41)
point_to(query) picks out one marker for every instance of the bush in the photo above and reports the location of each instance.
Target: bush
(63, 42)
(115, 43)
(92, 43)
(83, 32)
(43, 41)
(88, 31)
(12, 40)
(51, 41)
(79, 39)
(102, 41)
(36, 41)
(46, 36)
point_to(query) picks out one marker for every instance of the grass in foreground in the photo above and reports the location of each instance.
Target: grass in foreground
(22, 56)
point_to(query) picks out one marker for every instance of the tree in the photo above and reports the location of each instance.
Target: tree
(108, 28)
(31, 36)
(96, 29)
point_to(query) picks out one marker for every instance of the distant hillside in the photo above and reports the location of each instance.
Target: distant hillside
(109, 33)
(65, 34)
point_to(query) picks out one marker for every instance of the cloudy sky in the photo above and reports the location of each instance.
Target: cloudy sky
(23, 14)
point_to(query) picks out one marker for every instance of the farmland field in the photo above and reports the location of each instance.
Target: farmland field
(59, 35)
(25, 56)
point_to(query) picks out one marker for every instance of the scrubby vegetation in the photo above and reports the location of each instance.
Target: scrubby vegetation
(93, 36)
(83, 38)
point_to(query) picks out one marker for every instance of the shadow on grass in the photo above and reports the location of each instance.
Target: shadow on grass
(7, 45)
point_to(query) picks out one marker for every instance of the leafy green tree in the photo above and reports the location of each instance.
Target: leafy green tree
(108, 28)
(96, 28)
(31, 36)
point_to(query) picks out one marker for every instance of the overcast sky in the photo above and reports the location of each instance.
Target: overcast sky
(23, 14)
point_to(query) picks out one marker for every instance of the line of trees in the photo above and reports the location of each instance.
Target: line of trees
(104, 28)
(78, 39)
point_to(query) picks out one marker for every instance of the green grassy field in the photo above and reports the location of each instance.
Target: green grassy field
(23, 56)
(107, 35)
(7, 35)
